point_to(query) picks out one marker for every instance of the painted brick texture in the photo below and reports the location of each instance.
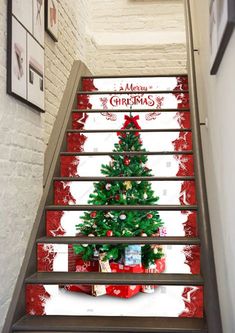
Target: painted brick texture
(129, 37)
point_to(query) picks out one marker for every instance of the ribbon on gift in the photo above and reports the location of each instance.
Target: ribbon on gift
(130, 120)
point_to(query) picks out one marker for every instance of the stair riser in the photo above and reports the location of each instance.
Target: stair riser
(169, 192)
(172, 301)
(112, 119)
(169, 141)
(162, 166)
(63, 223)
(61, 258)
(177, 100)
(135, 84)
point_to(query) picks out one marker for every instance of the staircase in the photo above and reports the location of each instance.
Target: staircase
(180, 302)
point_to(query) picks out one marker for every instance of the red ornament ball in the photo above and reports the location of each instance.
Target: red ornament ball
(149, 216)
(117, 197)
(93, 215)
(109, 233)
(127, 161)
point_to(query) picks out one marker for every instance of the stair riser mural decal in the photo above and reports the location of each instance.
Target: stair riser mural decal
(172, 301)
(165, 166)
(63, 223)
(61, 258)
(169, 141)
(114, 120)
(170, 192)
(127, 101)
(123, 111)
(133, 84)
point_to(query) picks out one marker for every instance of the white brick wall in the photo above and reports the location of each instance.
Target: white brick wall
(136, 37)
(24, 134)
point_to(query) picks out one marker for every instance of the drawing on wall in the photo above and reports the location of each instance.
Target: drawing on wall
(38, 20)
(222, 21)
(25, 69)
(52, 16)
(18, 55)
(35, 68)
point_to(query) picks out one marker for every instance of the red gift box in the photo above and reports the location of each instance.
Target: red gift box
(160, 267)
(83, 266)
(124, 291)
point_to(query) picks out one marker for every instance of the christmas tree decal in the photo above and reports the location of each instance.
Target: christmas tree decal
(123, 223)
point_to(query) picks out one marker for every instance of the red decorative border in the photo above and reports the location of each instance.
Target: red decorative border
(83, 102)
(62, 194)
(45, 257)
(88, 84)
(69, 166)
(36, 297)
(79, 120)
(75, 142)
(53, 223)
(193, 300)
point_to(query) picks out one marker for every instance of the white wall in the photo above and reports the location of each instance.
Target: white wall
(217, 104)
(129, 37)
(24, 134)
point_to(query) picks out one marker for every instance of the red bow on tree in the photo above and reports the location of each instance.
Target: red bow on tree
(130, 120)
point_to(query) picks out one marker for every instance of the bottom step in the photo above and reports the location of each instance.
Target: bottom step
(109, 324)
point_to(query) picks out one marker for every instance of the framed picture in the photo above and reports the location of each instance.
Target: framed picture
(222, 22)
(35, 70)
(25, 58)
(38, 20)
(52, 16)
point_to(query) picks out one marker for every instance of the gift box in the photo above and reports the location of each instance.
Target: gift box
(83, 266)
(133, 255)
(158, 267)
(124, 291)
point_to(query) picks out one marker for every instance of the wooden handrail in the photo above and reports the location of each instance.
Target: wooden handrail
(211, 298)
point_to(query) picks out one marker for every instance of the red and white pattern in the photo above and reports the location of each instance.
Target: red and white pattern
(170, 192)
(170, 301)
(166, 301)
(133, 100)
(61, 258)
(136, 84)
(177, 223)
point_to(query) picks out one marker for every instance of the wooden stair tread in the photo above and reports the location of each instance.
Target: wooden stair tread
(154, 130)
(121, 178)
(129, 153)
(114, 278)
(110, 92)
(121, 240)
(127, 110)
(109, 324)
(122, 207)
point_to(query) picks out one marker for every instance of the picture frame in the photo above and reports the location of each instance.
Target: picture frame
(222, 23)
(25, 53)
(52, 18)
